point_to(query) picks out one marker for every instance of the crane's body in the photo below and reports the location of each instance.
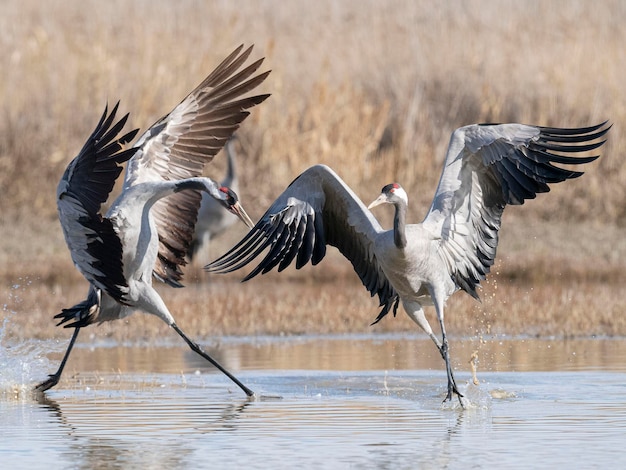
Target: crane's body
(487, 167)
(131, 218)
(148, 228)
(411, 275)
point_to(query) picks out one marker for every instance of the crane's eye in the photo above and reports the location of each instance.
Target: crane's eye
(390, 188)
(231, 198)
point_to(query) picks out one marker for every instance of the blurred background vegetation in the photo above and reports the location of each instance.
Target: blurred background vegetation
(372, 88)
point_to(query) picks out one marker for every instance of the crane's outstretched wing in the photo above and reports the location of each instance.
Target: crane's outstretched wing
(317, 209)
(487, 167)
(180, 144)
(95, 247)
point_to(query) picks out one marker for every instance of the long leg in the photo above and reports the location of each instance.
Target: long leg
(197, 349)
(452, 388)
(53, 379)
(416, 313)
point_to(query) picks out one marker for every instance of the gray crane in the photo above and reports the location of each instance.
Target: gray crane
(487, 166)
(212, 218)
(148, 228)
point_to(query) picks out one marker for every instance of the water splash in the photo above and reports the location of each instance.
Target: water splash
(22, 364)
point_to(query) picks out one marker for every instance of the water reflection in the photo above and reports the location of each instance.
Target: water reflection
(342, 420)
(391, 352)
(354, 353)
(317, 411)
(124, 430)
(360, 402)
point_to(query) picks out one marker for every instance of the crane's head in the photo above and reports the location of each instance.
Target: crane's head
(230, 201)
(390, 194)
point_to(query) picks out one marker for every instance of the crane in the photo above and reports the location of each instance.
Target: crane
(487, 167)
(212, 218)
(147, 230)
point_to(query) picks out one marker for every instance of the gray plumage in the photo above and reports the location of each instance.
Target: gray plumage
(486, 168)
(213, 220)
(148, 228)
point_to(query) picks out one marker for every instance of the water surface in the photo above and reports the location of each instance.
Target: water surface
(341, 402)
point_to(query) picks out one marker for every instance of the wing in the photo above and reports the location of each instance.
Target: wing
(179, 146)
(95, 247)
(317, 209)
(487, 167)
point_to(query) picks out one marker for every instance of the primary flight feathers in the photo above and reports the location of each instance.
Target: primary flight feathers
(148, 229)
(487, 166)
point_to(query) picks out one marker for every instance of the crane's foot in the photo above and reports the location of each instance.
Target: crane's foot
(53, 379)
(462, 400)
(453, 389)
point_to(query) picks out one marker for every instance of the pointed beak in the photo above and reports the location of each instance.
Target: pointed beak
(382, 199)
(238, 210)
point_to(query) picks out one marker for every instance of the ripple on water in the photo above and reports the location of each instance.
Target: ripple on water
(181, 415)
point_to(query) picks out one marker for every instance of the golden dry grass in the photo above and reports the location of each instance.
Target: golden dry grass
(373, 89)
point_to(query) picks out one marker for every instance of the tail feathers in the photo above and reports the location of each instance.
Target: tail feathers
(82, 314)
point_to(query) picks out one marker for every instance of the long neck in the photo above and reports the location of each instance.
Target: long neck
(144, 195)
(199, 183)
(399, 225)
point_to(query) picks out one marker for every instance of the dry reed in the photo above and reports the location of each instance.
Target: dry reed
(373, 89)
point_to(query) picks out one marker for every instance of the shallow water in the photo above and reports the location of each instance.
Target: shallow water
(341, 402)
